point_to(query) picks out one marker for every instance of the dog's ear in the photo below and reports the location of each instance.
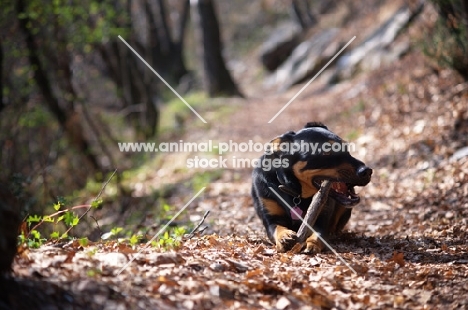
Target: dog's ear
(285, 175)
(315, 124)
(275, 144)
(287, 178)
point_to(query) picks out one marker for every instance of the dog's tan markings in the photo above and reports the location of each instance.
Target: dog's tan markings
(335, 141)
(284, 238)
(313, 244)
(272, 207)
(275, 144)
(339, 211)
(305, 177)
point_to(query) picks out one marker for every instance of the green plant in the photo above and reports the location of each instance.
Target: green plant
(67, 217)
(32, 240)
(135, 239)
(112, 233)
(83, 242)
(171, 238)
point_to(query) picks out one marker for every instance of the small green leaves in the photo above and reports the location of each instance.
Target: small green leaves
(134, 239)
(64, 219)
(71, 219)
(61, 201)
(83, 242)
(96, 203)
(35, 234)
(33, 219)
(47, 218)
(170, 239)
(179, 231)
(116, 230)
(35, 240)
(55, 235)
(57, 206)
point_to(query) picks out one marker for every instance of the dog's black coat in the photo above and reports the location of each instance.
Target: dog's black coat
(296, 177)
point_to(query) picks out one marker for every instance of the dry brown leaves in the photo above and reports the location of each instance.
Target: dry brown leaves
(408, 244)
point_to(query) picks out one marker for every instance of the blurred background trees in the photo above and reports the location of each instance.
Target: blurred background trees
(216, 78)
(70, 89)
(449, 38)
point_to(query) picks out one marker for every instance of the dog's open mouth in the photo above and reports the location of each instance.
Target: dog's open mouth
(341, 191)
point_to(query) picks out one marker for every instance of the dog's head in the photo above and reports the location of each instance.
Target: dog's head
(314, 154)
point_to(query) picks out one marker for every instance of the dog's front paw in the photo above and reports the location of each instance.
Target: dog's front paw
(313, 245)
(285, 239)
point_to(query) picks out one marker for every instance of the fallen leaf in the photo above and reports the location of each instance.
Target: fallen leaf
(69, 258)
(398, 257)
(253, 273)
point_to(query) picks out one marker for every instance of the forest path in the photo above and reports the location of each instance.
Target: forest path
(406, 241)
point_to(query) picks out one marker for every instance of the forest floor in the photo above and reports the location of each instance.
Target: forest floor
(406, 242)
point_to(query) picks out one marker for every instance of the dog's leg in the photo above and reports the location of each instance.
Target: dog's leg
(339, 219)
(313, 244)
(274, 218)
(285, 238)
(326, 218)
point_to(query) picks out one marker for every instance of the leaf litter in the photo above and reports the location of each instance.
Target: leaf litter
(407, 240)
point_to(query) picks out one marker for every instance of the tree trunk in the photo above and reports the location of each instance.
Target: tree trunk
(301, 12)
(2, 105)
(166, 53)
(216, 78)
(9, 225)
(178, 43)
(184, 16)
(68, 119)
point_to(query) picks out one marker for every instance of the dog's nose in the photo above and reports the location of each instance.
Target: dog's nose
(364, 172)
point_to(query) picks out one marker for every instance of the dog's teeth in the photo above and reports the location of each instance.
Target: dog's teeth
(340, 187)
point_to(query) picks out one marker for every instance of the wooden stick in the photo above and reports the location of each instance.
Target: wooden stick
(192, 233)
(313, 211)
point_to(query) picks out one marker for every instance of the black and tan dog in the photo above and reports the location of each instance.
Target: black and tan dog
(294, 167)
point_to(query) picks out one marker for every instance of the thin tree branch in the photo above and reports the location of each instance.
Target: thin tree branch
(192, 233)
